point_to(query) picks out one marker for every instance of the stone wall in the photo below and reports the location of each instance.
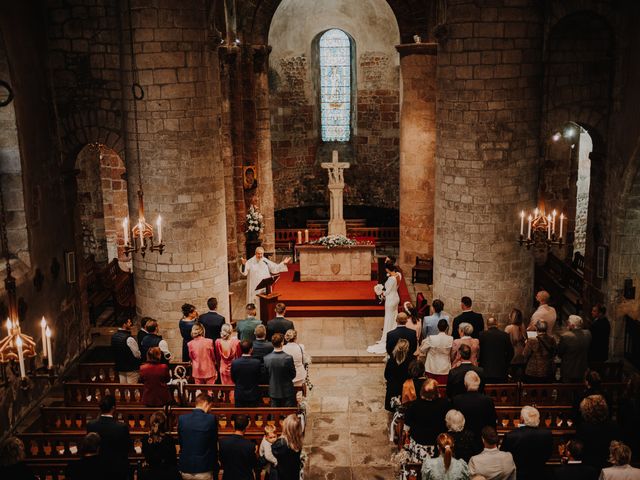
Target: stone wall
(489, 72)
(297, 149)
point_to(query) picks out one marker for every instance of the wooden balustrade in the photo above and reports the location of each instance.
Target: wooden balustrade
(106, 372)
(75, 419)
(380, 236)
(555, 418)
(83, 394)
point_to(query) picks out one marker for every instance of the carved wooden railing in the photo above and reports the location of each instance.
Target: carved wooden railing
(84, 394)
(380, 236)
(106, 372)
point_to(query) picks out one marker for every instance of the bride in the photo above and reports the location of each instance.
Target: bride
(391, 301)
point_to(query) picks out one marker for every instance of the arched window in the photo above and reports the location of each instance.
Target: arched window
(335, 86)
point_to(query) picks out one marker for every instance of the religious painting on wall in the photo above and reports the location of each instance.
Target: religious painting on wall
(250, 180)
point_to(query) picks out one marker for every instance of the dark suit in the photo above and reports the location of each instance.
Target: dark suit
(478, 411)
(246, 373)
(141, 334)
(475, 319)
(212, 323)
(90, 467)
(496, 353)
(399, 332)
(531, 448)
(198, 438)
(281, 370)
(575, 471)
(115, 443)
(573, 349)
(278, 325)
(261, 348)
(455, 382)
(600, 331)
(238, 458)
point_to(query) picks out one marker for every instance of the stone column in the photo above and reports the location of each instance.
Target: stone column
(263, 145)
(488, 118)
(182, 169)
(417, 151)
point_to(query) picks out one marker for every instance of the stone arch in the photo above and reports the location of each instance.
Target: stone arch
(101, 209)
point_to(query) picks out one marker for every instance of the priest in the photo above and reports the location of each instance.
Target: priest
(256, 269)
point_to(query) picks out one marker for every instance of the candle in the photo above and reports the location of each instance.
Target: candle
(561, 222)
(49, 350)
(20, 357)
(536, 212)
(159, 224)
(553, 225)
(522, 223)
(299, 237)
(529, 231)
(306, 235)
(141, 229)
(43, 330)
(125, 228)
(549, 227)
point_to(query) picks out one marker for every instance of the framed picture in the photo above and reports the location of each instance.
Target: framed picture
(70, 266)
(250, 177)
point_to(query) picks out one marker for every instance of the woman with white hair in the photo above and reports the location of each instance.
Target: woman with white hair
(467, 445)
(620, 459)
(573, 349)
(465, 330)
(227, 350)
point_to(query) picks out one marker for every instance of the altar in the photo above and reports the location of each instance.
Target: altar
(336, 264)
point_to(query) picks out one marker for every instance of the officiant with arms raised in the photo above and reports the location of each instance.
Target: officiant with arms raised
(256, 269)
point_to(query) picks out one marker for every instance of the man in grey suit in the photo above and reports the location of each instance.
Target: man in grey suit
(573, 349)
(279, 365)
(492, 463)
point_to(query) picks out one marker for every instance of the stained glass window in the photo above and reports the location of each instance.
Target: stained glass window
(335, 86)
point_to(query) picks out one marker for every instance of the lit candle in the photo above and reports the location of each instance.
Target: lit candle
(553, 225)
(536, 212)
(561, 222)
(299, 237)
(141, 229)
(125, 228)
(549, 227)
(529, 231)
(306, 235)
(522, 223)
(159, 224)
(20, 357)
(43, 330)
(49, 350)
(9, 326)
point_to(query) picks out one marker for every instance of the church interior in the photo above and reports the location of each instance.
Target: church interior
(148, 147)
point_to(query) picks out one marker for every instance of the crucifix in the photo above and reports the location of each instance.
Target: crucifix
(335, 169)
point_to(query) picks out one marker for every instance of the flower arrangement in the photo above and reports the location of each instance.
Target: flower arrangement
(332, 241)
(254, 220)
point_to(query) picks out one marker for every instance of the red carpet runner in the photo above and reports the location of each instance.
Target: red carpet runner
(331, 299)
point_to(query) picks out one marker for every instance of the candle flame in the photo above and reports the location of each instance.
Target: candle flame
(43, 322)
(19, 342)
(48, 332)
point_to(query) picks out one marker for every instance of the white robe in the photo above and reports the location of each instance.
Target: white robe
(256, 271)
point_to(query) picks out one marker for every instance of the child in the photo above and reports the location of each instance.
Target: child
(266, 457)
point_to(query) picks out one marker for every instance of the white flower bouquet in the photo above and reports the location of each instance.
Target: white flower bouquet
(332, 241)
(254, 220)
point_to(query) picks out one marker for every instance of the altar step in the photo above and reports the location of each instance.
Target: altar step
(333, 310)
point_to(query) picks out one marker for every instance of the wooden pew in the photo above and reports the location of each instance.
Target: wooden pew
(565, 393)
(106, 372)
(84, 394)
(75, 419)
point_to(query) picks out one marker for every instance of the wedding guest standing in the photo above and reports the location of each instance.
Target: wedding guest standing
(445, 465)
(212, 321)
(437, 350)
(518, 336)
(539, 353)
(396, 371)
(496, 352)
(465, 331)
(468, 316)
(159, 450)
(544, 312)
(189, 316)
(202, 356)
(154, 375)
(296, 350)
(287, 449)
(227, 350)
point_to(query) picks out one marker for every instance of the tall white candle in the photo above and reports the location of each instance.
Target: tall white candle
(125, 228)
(159, 224)
(549, 227)
(561, 222)
(306, 235)
(522, 223)
(20, 357)
(43, 330)
(529, 230)
(299, 237)
(49, 350)
(553, 225)
(141, 230)
(9, 327)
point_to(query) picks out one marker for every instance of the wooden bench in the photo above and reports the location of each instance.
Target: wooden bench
(422, 271)
(106, 372)
(85, 394)
(75, 419)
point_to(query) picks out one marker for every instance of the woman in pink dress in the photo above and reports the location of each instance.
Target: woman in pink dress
(202, 356)
(227, 350)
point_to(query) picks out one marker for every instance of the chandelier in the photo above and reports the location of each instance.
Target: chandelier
(139, 237)
(541, 229)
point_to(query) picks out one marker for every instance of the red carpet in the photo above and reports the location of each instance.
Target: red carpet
(331, 299)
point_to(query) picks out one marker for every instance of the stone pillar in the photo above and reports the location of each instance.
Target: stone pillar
(180, 159)
(488, 119)
(263, 145)
(417, 151)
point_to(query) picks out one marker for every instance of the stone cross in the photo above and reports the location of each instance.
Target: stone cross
(335, 169)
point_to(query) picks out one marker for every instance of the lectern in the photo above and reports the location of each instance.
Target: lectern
(268, 299)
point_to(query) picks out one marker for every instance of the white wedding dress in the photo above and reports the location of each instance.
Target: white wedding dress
(391, 301)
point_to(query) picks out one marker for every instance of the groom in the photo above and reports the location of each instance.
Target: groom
(256, 269)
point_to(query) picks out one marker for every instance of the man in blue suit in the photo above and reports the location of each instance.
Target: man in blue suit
(246, 372)
(198, 437)
(402, 331)
(212, 321)
(237, 454)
